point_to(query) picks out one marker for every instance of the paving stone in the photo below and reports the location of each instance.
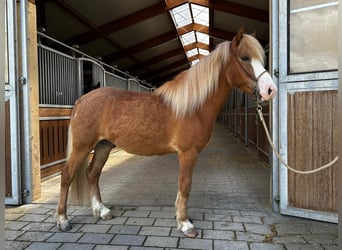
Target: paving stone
(94, 228)
(289, 239)
(218, 217)
(124, 229)
(84, 219)
(268, 246)
(15, 225)
(304, 247)
(232, 226)
(195, 243)
(34, 236)
(156, 231)
(331, 247)
(165, 222)
(76, 246)
(114, 221)
(38, 227)
(140, 221)
(43, 246)
(129, 240)
(291, 228)
(139, 213)
(230, 245)
(9, 216)
(95, 238)
(218, 234)
(111, 247)
(33, 217)
(155, 241)
(203, 224)
(163, 214)
(65, 237)
(327, 239)
(258, 229)
(322, 228)
(149, 248)
(12, 234)
(248, 236)
(247, 219)
(10, 245)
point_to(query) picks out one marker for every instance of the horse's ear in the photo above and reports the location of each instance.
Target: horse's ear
(239, 35)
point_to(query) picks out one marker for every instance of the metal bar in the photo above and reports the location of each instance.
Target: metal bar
(26, 107)
(52, 163)
(90, 57)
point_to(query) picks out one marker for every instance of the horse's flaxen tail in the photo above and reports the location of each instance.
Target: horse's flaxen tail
(79, 188)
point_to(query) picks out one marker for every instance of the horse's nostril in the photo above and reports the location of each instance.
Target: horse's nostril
(270, 91)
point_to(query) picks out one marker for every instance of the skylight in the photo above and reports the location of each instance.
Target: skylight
(181, 15)
(188, 38)
(190, 13)
(200, 14)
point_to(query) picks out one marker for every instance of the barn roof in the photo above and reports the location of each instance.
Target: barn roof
(151, 39)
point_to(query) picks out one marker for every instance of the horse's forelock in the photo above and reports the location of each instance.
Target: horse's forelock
(250, 45)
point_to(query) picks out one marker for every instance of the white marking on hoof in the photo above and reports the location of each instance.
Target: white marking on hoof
(63, 223)
(187, 228)
(99, 210)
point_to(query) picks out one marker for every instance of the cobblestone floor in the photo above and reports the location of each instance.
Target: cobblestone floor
(229, 205)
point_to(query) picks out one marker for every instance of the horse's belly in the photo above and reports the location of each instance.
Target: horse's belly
(144, 143)
(144, 148)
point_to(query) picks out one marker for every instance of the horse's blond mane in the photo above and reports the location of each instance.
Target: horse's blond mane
(191, 88)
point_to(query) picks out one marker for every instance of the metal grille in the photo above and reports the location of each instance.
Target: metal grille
(98, 74)
(133, 85)
(57, 78)
(112, 80)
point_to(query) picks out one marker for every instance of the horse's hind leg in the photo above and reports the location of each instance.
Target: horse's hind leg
(100, 157)
(75, 160)
(186, 166)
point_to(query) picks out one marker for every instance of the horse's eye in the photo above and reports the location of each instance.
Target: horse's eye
(245, 58)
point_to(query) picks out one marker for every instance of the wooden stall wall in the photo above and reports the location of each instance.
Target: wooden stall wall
(239, 116)
(53, 127)
(312, 142)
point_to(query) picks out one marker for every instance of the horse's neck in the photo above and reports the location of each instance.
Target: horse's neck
(215, 103)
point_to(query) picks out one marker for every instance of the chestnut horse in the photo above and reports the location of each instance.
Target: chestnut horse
(178, 118)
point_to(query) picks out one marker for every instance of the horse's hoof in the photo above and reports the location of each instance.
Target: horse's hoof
(107, 216)
(65, 226)
(191, 233)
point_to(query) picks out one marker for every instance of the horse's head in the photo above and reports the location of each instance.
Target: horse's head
(247, 72)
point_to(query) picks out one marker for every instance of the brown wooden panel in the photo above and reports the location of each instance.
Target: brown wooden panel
(311, 143)
(54, 112)
(53, 140)
(46, 172)
(8, 170)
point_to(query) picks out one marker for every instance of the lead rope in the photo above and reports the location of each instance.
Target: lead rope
(259, 109)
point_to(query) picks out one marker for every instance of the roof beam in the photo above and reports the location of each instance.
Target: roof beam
(120, 23)
(163, 38)
(167, 68)
(196, 45)
(235, 9)
(88, 23)
(156, 59)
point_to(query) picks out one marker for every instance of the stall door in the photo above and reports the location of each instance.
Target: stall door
(12, 149)
(307, 132)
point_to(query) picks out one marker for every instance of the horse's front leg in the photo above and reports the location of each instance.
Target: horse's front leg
(186, 165)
